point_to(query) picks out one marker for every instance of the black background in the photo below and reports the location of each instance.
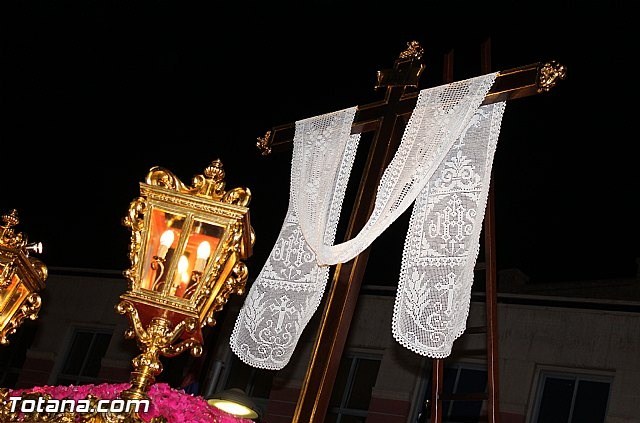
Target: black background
(95, 93)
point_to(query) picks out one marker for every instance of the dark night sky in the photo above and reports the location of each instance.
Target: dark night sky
(95, 93)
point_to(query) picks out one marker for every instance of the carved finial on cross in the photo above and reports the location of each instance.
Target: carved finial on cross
(406, 71)
(264, 144)
(549, 74)
(414, 51)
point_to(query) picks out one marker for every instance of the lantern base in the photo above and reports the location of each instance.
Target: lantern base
(159, 338)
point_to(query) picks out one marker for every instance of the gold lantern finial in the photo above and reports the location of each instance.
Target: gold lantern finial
(8, 237)
(21, 277)
(187, 243)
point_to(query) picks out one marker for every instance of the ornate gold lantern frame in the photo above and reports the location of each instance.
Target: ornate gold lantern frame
(186, 248)
(21, 278)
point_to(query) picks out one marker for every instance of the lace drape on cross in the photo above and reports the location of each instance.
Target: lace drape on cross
(443, 164)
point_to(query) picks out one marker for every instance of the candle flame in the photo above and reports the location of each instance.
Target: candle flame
(204, 250)
(167, 238)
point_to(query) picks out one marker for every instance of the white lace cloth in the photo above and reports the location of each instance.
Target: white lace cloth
(441, 248)
(443, 164)
(290, 285)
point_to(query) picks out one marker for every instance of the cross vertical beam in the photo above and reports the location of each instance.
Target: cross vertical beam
(491, 285)
(437, 372)
(345, 287)
(491, 304)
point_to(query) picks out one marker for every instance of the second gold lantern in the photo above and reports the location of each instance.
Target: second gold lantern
(186, 248)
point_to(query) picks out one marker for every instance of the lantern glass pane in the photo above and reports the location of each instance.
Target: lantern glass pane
(164, 232)
(200, 248)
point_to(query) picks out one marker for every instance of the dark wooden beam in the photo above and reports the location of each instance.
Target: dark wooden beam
(491, 278)
(510, 84)
(437, 364)
(345, 286)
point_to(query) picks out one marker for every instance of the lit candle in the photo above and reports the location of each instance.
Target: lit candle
(165, 242)
(183, 264)
(204, 251)
(181, 277)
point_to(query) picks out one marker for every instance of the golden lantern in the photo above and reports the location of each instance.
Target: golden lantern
(186, 248)
(21, 277)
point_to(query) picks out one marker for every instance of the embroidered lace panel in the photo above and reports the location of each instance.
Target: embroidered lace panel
(442, 243)
(290, 286)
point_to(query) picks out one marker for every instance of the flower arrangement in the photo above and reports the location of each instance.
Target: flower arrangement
(173, 404)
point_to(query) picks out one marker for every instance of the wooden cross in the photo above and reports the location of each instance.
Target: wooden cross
(386, 119)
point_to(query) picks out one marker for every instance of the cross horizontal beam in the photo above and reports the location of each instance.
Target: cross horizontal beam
(510, 84)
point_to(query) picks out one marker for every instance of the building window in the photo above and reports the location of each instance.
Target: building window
(12, 356)
(351, 393)
(460, 378)
(571, 398)
(83, 360)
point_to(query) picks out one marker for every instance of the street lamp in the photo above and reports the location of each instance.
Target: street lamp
(21, 277)
(186, 248)
(236, 402)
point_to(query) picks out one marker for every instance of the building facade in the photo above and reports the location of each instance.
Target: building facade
(567, 352)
